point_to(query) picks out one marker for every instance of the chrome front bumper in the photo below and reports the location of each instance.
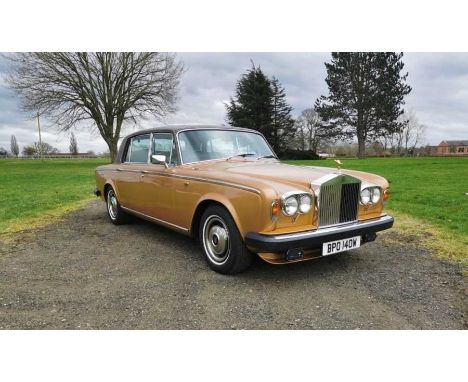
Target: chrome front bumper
(313, 239)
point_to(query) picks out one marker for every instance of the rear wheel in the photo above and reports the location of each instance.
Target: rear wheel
(222, 244)
(114, 210)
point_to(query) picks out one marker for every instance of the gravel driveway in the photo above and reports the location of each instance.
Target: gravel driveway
(85, 272)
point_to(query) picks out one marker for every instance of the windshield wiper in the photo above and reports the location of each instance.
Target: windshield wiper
(267, 156)
(241, 155)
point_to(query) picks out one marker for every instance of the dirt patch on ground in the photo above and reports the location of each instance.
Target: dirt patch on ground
(84, 272)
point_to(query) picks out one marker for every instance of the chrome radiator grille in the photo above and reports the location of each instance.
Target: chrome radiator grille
(338, 201)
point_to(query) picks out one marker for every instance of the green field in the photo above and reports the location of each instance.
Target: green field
(433, 189)
(34, 191)
(430, 190)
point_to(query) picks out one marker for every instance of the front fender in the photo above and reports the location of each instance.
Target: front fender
(244, 210)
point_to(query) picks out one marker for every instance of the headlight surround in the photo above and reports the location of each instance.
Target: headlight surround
(366, 196)
(290, 206)
(370, 195)
(296, 202)
(305, 203)
(375, 195)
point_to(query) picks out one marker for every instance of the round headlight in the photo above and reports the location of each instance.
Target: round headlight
(375, 194)
(366, 196)
(305, 203)
(290, 206)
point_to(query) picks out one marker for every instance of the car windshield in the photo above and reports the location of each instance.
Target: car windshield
(201, 145)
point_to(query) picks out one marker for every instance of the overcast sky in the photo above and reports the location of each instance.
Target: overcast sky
(439, 97)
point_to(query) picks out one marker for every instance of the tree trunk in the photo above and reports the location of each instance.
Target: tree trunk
(112, 150)
(361, 145)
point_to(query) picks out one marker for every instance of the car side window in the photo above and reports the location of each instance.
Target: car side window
(137, 151)
(163, 144)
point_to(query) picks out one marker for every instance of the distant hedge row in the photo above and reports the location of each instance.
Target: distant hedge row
(297, 154)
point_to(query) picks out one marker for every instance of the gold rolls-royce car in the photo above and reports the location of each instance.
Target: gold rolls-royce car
(226, 187)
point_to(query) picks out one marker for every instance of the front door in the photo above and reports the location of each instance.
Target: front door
(156, 190)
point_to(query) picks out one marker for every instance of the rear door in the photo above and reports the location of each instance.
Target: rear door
(129, 172)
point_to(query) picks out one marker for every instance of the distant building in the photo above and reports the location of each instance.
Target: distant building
(452, 148)
(326, 155)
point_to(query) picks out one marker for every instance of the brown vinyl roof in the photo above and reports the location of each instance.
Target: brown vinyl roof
(176, 128)
(173, 129)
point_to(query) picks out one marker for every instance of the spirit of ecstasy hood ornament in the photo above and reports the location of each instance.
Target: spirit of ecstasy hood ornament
(338, 164)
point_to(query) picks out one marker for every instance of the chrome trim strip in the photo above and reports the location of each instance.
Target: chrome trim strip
(342, 227)
(219, 182)
(205, 180)
(154, 219)
(187, 177)
(120, 169)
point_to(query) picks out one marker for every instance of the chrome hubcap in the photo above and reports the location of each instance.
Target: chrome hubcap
(112, 204)
(216, 239)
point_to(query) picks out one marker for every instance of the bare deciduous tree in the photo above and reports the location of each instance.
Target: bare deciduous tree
(14, 148)
(73, 145)
(45, 149)
(105, 88)
(405, 139)
(310, 130)
(413, 132)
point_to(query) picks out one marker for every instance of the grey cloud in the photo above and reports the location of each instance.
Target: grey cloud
(439, 96)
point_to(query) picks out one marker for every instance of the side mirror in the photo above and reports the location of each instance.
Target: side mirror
(159, 159)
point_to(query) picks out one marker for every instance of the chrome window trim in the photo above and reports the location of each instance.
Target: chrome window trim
(130, 148)
(148, 160)
(217, 129)
(151, 146)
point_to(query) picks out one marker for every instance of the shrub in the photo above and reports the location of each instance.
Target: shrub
(298, 154)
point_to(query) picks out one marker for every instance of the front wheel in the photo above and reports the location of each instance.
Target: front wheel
(222, 244)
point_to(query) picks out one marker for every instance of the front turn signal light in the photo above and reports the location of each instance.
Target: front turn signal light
(275, 210)
(386, 195)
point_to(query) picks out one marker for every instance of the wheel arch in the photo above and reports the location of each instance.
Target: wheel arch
(109, 184)
(210, 200)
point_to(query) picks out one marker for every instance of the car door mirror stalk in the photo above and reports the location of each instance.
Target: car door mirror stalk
(159, 159)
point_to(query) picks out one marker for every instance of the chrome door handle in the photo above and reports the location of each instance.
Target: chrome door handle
(119, 169)
(144, 172)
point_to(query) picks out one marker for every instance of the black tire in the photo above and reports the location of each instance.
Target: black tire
(115, 212)
(221, 242)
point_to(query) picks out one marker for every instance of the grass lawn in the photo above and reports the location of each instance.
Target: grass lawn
(35, 191)
(428, 195)
(432, 190)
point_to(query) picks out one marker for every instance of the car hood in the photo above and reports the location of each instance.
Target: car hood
(274, 174)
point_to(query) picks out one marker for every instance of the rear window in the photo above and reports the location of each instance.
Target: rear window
(137, 151)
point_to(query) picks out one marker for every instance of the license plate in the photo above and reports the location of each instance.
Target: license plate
(341, 245)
